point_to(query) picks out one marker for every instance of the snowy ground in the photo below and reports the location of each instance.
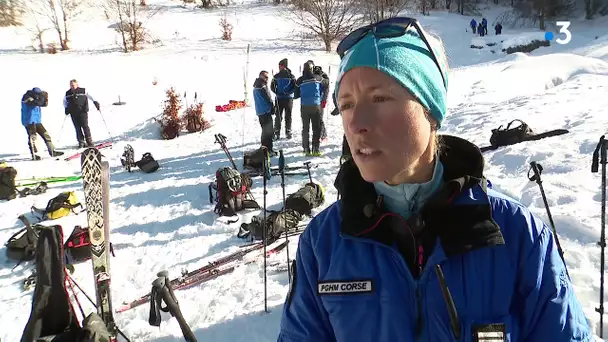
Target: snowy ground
(164, 220)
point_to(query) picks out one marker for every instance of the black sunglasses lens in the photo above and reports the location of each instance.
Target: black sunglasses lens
(390, 30)
(350, 40)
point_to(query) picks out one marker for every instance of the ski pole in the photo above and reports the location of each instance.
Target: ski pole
(264, 226)
(104, 122)
(307, 164)
(599, 156)
(162, 292)
(70, 279)
(537, 169)
(282, 171)
(61, 129)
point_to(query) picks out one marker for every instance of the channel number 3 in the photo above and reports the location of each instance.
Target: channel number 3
(563, 28)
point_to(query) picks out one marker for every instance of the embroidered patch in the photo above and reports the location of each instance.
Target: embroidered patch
(489, 333)
(345, 287)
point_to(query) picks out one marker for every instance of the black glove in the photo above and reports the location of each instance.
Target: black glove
(67, 112)
(96, 104)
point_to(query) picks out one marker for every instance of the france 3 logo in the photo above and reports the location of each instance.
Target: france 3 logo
(563, 29)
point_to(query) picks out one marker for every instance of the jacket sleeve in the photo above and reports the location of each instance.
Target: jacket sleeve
(266, 94)
(325, 84)
(90, 97)
(296, 90)
(273, 85)
(549, 308)
(304, 318)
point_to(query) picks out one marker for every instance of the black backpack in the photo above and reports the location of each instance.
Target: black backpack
(8, 190)
(147, 163)
(510, 135)
(52, 317)
(306, 198)
(21, 246)
(276, 223)
(254, 160)
(231, 190)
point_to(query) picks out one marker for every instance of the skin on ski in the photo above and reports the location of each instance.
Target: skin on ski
(93, 178)
(204, 274)
(36, 181)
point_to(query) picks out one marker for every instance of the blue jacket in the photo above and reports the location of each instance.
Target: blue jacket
(283, 84)
(261, 97)
(30, 109)
(358, 275)
(311, 89)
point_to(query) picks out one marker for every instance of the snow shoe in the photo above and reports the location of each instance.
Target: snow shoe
(56, 153)
(128, 159)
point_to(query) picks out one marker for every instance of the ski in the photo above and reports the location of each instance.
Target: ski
(36, 181)
(276, 173)
(95, 176)
(98, 147)
(533, 137)
(208, 272)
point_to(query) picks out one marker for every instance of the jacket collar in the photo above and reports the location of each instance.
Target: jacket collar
(461, 228)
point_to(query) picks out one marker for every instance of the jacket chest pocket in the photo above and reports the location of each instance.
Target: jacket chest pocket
(361, 315)
(497, 329)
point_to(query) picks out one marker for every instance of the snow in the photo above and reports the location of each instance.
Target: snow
(164, 220)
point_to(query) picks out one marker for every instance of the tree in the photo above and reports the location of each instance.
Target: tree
(9, 13)
(326, 19)
(376, 10)
(58, 13)
(130, 17)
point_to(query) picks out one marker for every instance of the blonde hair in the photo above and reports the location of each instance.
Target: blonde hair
(439, 50)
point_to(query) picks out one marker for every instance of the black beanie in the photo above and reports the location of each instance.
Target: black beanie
(283, 62)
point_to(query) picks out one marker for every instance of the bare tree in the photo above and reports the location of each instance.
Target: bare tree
(10, 13)
(130, 19)
(376, 10)
(59, 13)
(69, 9)
(326, 19)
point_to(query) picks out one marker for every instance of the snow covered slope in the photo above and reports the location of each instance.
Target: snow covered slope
(164, 220)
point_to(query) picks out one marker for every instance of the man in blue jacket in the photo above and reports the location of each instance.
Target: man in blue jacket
(31, 119)
(312, 90)
(264, 108)
(283, 85)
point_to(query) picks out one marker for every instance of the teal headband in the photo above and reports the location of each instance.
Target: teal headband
(408, 61)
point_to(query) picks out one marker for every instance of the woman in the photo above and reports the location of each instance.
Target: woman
(419, 248)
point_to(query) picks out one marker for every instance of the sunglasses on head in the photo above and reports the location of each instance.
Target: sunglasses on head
(388, 28)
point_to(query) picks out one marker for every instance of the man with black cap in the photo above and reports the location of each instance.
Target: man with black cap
(76, 103)
(31, 119)
(317, 70)
(283, 85)
(312, 90)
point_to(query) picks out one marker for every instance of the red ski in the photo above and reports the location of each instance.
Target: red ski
(98, 146)
(207, 272)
